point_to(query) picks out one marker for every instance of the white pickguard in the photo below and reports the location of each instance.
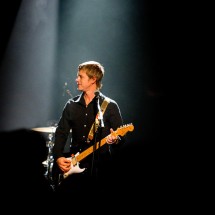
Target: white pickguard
(74, 166)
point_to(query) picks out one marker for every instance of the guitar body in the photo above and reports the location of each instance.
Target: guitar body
(75, 168)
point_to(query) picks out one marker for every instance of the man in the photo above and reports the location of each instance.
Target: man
(92, 123)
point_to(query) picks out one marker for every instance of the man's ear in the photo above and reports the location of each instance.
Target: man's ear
(94, 79)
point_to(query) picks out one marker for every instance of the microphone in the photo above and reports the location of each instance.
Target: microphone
(64, 88)
(96, 94)
(100, 114)
(69, 93)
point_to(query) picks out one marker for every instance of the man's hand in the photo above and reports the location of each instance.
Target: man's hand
(64, 164)
(112, 137)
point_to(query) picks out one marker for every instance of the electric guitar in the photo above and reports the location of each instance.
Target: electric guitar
(75, 159)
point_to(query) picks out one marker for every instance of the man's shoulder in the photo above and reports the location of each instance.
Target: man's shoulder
(108, 99)
(75, 99)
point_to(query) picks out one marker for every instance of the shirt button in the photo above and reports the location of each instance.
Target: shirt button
(85, 126)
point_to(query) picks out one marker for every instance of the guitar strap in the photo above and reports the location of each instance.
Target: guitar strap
(94, 126)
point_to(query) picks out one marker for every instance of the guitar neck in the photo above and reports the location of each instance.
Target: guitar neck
(120, 131)
(88, 151)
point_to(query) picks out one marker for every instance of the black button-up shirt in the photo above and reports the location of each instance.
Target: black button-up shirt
(78, 118)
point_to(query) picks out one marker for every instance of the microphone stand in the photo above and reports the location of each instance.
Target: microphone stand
(99, 124)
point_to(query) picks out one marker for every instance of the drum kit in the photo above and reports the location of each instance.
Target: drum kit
(49, 162)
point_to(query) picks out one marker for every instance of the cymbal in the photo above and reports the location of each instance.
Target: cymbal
(51, 129)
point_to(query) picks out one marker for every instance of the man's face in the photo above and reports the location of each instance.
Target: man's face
(84, 83)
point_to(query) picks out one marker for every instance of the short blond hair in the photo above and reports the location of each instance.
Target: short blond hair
(93, 69)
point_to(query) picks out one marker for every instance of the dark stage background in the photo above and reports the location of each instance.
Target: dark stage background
(143, 87)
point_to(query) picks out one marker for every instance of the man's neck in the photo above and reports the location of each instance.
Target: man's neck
(88, 96)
